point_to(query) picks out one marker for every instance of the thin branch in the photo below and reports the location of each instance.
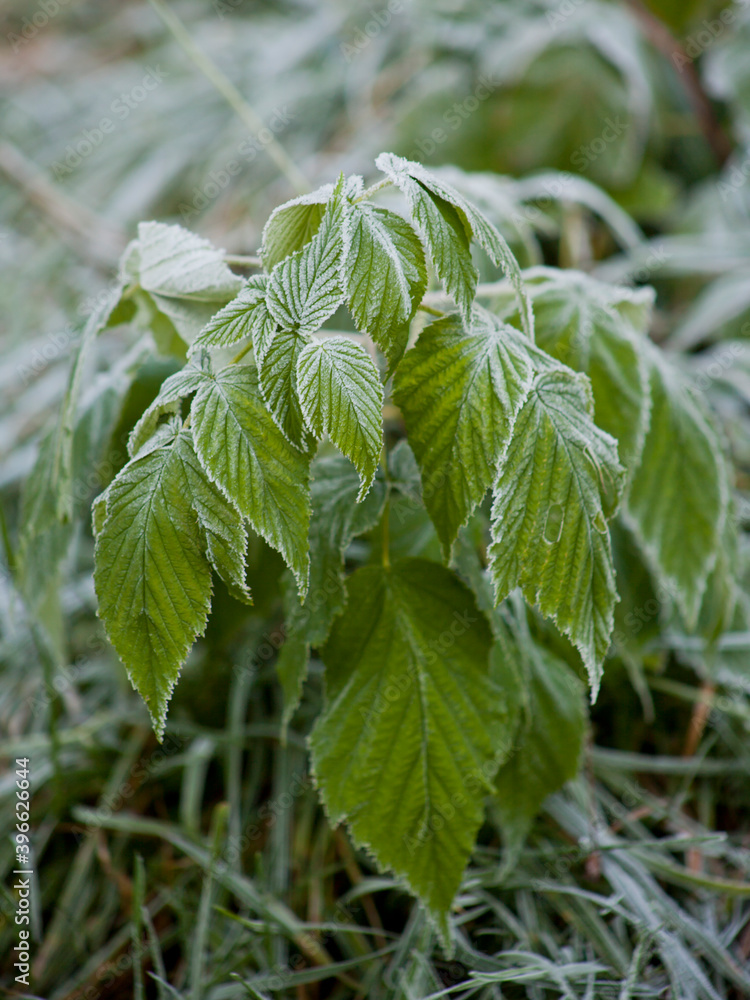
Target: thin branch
(231, 94)
(664, 41)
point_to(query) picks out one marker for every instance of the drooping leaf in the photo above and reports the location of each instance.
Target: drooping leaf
(422, 187)
(579, 321)
(257, 468)
(308, 287)
(414, 728)
(277, 369)
(460, 389)
(336, 519)
(721, 594)
(62, 448)
(239, 320)
(559, 481)
(43, 538)
(678, 498)
(548, 747)
(386, 277)
(341, 395)
(155, 526)
(43, 543)
(640, 613)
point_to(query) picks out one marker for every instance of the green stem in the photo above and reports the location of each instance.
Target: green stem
(429, 309)
(217, 835)
(139, 894)
(10, 555)
(483, 290)
(386, 534)
(384, 183)
(233, 97)
(241, 354)
(238, 260)
(385, 537)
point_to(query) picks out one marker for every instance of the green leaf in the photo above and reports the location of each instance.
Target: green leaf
(175, 388)
(148, 317)
(446, 236)
(223, 528)
(292, 225)
(454, 213)
(256, 467)
(239, 320)
(678, 498)
(277, 368)
(341, 396)
(336, 519)
(558, 483)
(155, 524)
(179, 321)
(308, 287)
(460, 389)
(414, 728)
(577, 321)
(386, 277)
(548, 749)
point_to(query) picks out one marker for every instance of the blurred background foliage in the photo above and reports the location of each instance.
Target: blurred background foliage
(609, 136)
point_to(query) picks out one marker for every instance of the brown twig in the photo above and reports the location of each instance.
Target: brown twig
(699, 718)
(355, 877)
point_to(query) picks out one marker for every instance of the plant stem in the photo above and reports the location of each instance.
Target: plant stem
(386, 534)
(229, 92)
(484, 290)
(241, 354)
(385, 537)
(383, 183)
(431, 310)
(239, 261)
(10, 555)
(200, 938)
(139, 893)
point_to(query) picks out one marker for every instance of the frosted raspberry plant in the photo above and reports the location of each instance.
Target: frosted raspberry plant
(446, 684)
